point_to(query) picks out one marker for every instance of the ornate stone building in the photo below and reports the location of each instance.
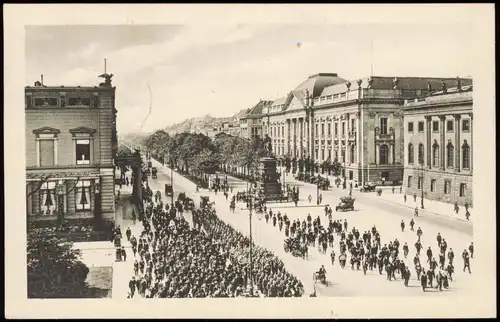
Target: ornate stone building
(251, 120)
(438, 144)
(358, 122)
(71, 143)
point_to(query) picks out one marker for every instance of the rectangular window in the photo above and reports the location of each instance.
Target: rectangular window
(463, 188)
(410, 178)
(48, 201)
(322, 129)
(343, 128)
(82, 195)
(449, 126)
(353, 125)
(317, 129)
(465, 125)
(383, 125)
(420, 182)
(82, 151)
(47, 153)
(435, 126)
(336, 129)
(433, 185)
(329, 129)
(420, 126)
(447, 187)
(410, 126)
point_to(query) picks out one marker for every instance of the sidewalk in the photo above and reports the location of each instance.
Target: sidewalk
(430, 206)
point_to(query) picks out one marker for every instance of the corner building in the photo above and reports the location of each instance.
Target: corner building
(358, 122)
(438, 145)
(71, 142)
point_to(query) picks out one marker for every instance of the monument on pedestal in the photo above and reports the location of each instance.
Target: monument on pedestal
(268, 180)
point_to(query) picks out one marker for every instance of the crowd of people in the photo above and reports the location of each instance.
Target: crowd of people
(206, 259)
(365, 251)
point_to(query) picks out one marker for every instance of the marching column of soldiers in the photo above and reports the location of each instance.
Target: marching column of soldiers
(366, 251)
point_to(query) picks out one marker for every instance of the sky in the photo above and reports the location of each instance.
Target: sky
(194, 70)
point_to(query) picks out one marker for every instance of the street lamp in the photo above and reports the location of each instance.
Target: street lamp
(250, 205)
(422, 186)
(317, 193)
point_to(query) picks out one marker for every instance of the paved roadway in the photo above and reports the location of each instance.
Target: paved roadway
(345, 282)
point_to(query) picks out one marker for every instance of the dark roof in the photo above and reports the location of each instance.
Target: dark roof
(316, 83)
(67, 89)
(257, 109)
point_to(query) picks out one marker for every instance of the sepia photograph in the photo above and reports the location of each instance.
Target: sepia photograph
(225, 160)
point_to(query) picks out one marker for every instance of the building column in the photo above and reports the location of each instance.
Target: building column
(320, 137)
(457, 142)
(56, 153)
(391, 151)
(377, 154)
(37, 147)
(287, 136)
(428, 148)
(471, 143)
(442, 118)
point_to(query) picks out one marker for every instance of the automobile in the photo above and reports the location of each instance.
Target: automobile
(368, 187)
(345, 204)
(169, 190)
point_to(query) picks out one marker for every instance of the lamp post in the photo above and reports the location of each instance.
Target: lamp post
(422, 186)
(60, 201)
(251, 246)
(317, 193)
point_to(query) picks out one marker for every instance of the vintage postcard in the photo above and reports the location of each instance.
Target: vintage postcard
(249, 161)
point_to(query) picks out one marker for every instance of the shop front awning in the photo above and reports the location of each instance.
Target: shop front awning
(51, 176)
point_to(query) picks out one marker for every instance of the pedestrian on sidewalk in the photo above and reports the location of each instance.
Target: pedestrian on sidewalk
(402, 225)
(414, 197)
(416, 212)
(401, 189)
(126, 181)
(124, 254)
(456, 208)
(465, 256)
(133, 215)
(412, 224)
(131, 285)
(393, 189)
(471, 250)
(309, 198)
(404, 197)
(128, 233)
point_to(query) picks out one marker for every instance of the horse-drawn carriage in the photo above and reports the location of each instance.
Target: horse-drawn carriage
(368, 187)
(345, 204)
(154, 173)
(204, 201)
(295, 247)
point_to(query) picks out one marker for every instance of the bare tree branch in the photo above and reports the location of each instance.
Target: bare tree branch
(42, 181)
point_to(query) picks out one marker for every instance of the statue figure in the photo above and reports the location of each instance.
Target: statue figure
(107, 80)
(370, 82)
(429, 87)
(459, 83)
(443, 87)
(395, 83)
(348, 85)
(359, 83)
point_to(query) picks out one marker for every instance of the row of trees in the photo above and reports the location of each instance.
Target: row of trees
(308, 166)
(197, 154)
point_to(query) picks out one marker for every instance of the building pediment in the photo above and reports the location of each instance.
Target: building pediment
(46, 130)
(295, 104)
(83, 130)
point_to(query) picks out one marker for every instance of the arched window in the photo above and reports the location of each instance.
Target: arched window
(420, 153)
(384, 154)
(435, 155)
(449, 155)
(465, 155)
(411, 154)
(352, 153)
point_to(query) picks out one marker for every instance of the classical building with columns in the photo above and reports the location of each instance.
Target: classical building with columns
(438, 144)
(357, 122)
(71, 143)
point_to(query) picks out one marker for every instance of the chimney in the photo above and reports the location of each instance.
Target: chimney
(41, 79)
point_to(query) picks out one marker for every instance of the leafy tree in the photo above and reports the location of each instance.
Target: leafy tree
(336, 168)
(288, 163)
(207, 161)
(301, 164)
(54, 268)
